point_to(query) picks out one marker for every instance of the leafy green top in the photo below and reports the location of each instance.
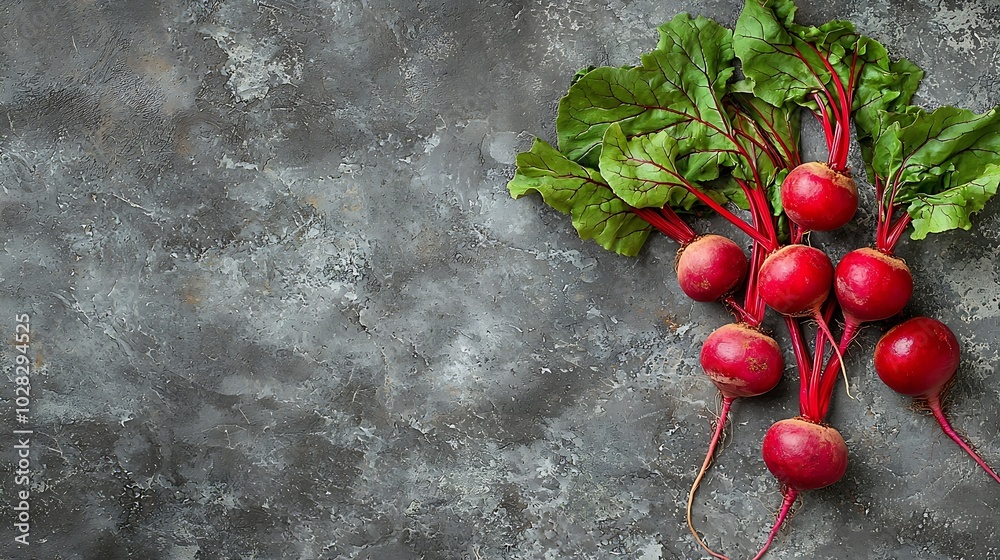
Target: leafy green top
(581, 192)
(942, 165)
(786, 61)
(830, 70)
(659, 135)
(676, 89)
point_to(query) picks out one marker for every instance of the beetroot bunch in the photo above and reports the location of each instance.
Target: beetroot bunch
(682, 133)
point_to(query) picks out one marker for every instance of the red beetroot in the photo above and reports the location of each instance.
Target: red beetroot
(871, 285)
(710, 267)
(919, 358)
(816, 197)
(741, 361)
(802, 455)
(795, 280)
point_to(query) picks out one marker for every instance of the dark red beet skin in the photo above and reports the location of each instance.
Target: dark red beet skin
(917, 357)
(803, 455)
(741, 361)
(710, 267)
(795, 279)
(872, 286)
(818, 198)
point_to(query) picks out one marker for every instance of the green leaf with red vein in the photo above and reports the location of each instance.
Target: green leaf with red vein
(582, 193)
(883, 86)
(943, 165)
(831, 70)
(783, 60)
(779, 57)
(678, 87)
(885, 90)
(953, 207)
(770, 135)
(642, 171)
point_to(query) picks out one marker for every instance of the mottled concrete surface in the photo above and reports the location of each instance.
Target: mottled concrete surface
(281, 305)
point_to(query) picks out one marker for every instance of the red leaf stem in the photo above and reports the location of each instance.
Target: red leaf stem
(801, 355)
(667, 222)
(896, 232)
(833, 367)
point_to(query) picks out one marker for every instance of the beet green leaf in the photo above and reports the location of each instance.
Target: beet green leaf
(582, 193)
(677, 88)
(943, 165)
(785, 61)
(643, 170)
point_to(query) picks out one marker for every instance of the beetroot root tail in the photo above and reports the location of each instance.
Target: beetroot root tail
(934, 404)
(716, 436)
(786, 506)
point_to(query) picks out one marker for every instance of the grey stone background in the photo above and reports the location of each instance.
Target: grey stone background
(283, 307)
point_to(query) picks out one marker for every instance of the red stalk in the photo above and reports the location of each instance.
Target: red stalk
(801, 355)
(824, 119)
(812, 410)
(810, 405)
(765, 216)
(754, 305)
(841, 113)
(756, 216)
(848, 106)
(832, 371)
(896, 232)
(887, 232)
(834, 155)
(881, 227)
(760, 212)
(809, 409)
(732, 218)
(668, 223)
